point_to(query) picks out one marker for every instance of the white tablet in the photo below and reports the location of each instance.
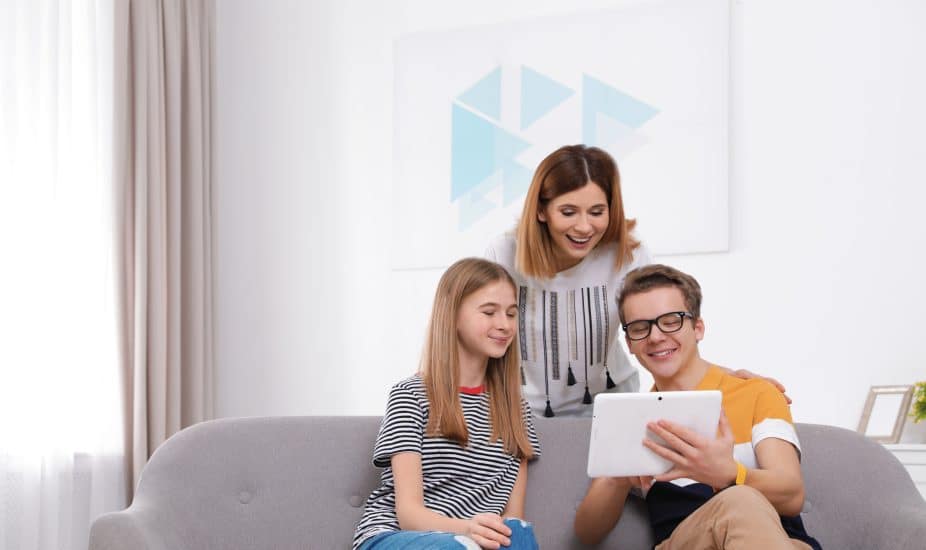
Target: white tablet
(619, 426)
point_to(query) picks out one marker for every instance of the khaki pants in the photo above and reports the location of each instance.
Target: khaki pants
(736, 518)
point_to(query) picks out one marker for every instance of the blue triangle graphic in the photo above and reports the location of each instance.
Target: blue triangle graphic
(598, 97)
(618, 139)
(539, 95)
(473, 209)
(608, 130)
(488, 184)
(486, 95)
(474, 206)
(517, 178)
(478, 149)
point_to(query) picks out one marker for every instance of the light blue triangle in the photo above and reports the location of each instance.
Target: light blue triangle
(474, 206)
(485, 96)
(478, 149)
(473, 209)
(609, 131)
(539, 95)
(488, 184)
(517, 179)
(617, 138)
(598, 97)
(627, 146)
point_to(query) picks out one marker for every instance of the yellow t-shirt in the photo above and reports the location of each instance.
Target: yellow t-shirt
(756, 411)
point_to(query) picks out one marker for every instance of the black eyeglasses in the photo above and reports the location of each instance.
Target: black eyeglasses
(667, 323)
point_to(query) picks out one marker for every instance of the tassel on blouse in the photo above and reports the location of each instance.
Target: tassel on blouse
(549, 411)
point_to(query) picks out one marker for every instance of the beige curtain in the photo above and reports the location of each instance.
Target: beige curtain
(163, 177)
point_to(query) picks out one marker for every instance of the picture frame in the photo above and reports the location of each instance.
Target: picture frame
(477, 108)
(885, 412)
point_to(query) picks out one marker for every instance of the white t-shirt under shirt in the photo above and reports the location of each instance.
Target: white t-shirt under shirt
(571, 321)
(458, 482)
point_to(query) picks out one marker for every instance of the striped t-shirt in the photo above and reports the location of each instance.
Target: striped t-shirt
(756, 411)
(458, 482)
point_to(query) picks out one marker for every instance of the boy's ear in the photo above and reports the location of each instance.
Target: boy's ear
(699, 329)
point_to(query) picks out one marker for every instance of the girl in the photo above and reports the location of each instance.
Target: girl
(569, 255)
(571, 250)
(455, 439)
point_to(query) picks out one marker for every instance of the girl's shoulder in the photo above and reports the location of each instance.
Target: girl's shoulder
(413, 384)
(408, 394)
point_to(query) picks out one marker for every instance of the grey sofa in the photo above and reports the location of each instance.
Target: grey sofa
(300, 482)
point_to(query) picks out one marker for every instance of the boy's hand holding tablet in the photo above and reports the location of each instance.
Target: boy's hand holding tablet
(707, 458)
(660, 434)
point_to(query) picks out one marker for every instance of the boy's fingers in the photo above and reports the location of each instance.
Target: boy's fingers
(680, 439)
(725, 429)
(664, 452)
(683, 434)
(647, 481)
(674, 473)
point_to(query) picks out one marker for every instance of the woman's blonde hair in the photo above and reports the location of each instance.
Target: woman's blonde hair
(440, 364)
(569, 168)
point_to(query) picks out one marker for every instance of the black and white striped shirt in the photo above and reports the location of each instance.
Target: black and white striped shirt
(458, 482)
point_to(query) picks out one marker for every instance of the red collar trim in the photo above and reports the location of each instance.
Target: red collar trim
(474, 390)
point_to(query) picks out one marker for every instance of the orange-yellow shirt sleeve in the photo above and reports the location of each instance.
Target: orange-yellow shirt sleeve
(772, 418)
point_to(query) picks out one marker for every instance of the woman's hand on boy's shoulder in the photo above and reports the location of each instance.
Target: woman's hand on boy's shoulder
(748, 375)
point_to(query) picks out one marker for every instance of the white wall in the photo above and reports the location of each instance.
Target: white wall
(822, 286)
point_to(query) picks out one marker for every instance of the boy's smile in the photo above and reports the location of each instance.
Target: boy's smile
(671, 357)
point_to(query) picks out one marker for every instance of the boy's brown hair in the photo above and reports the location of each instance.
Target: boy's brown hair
(653, 276)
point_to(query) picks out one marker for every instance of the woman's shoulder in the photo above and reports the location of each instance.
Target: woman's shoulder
(502, 249)
(639, 255)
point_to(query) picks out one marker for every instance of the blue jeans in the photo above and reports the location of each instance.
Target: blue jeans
(522, 538)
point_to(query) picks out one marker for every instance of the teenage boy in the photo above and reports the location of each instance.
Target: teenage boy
(742, 489)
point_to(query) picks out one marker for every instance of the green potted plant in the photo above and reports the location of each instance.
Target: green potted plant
(918, 411)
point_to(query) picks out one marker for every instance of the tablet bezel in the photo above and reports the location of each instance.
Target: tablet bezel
(619, 425)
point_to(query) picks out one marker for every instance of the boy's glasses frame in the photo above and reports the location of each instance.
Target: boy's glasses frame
(666, 323)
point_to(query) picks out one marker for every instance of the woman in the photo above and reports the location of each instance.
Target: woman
(569, 254)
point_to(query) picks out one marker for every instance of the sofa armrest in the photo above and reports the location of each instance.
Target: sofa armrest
(900, 528)
(117, 531)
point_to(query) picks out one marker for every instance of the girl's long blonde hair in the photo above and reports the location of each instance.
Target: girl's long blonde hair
(440, 364)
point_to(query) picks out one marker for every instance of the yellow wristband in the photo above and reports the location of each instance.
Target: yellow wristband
(740, 473)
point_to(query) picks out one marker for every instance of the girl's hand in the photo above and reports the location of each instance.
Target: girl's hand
(488, 531)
